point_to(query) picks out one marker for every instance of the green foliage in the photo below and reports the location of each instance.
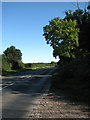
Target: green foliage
(11, 59)
(80, 16)
(40, 65)
(18, 65)
(13, 54)
(27, 65)
(53, 63)
(88, 7)
(69, 38)
(73, 77)
(83, 22)
(5, 64)
(9, 68)
(62, 35)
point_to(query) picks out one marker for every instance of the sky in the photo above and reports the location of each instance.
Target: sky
(22, 27)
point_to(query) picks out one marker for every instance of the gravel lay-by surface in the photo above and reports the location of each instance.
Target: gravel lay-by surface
(49, 107)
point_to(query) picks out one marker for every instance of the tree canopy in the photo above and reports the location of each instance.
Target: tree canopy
(62, 35)
(13, 57)
(13, 54)
(82, 17)
(69, 37)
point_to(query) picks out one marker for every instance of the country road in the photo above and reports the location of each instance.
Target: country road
(20, 93)
(27, 95)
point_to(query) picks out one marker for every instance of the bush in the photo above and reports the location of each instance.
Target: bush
(73, 78)
(5, 64)
(27, 65)
(17, 65)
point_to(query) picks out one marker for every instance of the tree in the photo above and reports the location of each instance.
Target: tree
(83, 22)
(13, 54)
(62, 35)
(14, 57)
(53, 63)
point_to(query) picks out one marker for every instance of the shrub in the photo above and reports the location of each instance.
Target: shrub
(73, 78)
(17, 65)
(27, 65)
(5, 64)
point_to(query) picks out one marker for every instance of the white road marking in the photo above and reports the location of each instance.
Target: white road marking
(23, 77)
(6, 86)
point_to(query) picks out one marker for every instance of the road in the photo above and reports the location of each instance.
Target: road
(26, 95)
(22, 93)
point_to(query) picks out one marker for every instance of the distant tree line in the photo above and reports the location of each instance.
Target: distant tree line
(52, 64)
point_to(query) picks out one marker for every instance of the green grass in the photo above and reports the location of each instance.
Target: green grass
(40, 67)
(27, 66)
(9, 72)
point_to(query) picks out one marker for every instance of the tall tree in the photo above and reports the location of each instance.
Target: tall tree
(82, 17)
(62, 35)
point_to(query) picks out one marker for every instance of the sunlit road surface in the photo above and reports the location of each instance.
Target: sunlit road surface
(21, 93)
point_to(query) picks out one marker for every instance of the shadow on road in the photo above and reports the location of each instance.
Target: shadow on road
(60, 95)
(36, 84)
(20, 98)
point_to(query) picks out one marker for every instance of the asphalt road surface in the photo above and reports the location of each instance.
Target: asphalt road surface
(21, 92)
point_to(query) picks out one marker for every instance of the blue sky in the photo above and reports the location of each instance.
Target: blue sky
(22, 26)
